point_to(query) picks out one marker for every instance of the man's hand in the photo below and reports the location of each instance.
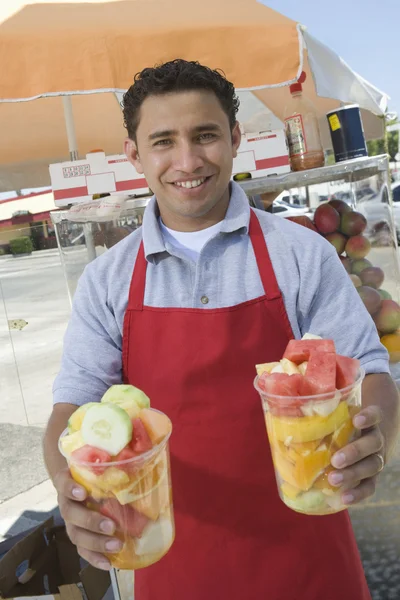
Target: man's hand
(359, 463)
(87, 529)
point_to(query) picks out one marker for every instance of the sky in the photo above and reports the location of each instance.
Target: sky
(365, 33)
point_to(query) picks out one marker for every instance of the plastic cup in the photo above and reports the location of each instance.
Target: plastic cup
(137, 495)
(304, 433)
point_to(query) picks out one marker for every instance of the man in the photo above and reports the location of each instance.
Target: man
(216, 288)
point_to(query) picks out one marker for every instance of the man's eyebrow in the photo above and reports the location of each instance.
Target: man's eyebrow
(172, 132)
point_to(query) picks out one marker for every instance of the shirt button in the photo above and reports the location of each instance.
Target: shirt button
(204, 300)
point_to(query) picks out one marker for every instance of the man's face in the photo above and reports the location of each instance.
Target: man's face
(185, 148)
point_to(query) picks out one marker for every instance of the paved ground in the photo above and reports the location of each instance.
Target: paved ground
(34, 289)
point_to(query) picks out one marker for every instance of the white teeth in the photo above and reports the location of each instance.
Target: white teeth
(190, 184)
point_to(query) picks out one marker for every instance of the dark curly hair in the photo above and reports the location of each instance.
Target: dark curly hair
(177, 76)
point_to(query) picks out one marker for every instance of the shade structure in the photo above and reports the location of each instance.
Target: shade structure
(90, 52)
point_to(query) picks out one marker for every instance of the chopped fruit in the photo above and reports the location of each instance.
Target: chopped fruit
(266, 367)
(128, 397)
(113, 479)
(307, 429)
(308, 419)
(75, 420)
(70, 443)
(347, 370)
(299, 350)
(154, 503)
(157, 425)
(321, 372)
(146, 480)
(289, 367)
(289, 490)
(303, 367)
(309, 467)
(107, 427)
(342, 436)
(92, 455)
(156, 536)
(126, 454)
(322, 483)
(141, 441)
(128, 519)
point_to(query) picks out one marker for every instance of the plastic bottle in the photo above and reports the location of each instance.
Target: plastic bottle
(302, 132)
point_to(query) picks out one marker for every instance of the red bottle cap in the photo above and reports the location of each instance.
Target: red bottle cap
(297, 87)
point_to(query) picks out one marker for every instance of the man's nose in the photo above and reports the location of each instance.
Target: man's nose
(188, 158)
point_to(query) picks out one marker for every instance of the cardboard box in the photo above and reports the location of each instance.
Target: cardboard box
(262, 154)
(77, 181)
(46, 566)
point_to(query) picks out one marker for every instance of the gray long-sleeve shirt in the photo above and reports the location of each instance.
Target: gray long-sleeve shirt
(318, 294)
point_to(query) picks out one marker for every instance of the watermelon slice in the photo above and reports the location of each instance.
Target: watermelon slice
(298, 351)
(290, 388)
(347, 370)
(141, 441)
(321, 372)
(128, 519)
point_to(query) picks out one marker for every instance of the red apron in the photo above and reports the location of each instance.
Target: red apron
(235, 539)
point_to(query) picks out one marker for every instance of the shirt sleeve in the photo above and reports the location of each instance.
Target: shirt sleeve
(334, 310)
(92, 352)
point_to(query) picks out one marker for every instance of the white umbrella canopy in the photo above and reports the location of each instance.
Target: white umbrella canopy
(35, 129)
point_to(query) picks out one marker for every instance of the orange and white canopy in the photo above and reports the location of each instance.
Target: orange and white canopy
(89, 52)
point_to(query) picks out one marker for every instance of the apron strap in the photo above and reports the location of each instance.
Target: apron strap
(138, 281)
(263, 259)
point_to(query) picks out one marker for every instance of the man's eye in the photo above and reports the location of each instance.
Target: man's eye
(162, 143)
(207, 136)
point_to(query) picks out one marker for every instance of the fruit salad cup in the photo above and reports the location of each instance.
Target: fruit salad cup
(304, 433)
(133, 489)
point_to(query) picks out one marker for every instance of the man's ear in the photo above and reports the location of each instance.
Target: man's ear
(132, 153)
(236, 139)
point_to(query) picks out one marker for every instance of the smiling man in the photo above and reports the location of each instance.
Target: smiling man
(183, 308)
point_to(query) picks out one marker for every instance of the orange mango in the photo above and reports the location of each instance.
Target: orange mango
(308, 467)
(342, 436)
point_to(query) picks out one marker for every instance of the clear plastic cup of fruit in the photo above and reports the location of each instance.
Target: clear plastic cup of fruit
(131, 484)
(305, 431)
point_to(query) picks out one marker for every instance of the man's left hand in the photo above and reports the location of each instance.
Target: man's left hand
(358, 464)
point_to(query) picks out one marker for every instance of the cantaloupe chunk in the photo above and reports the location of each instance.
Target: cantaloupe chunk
(157, 425)
(154, 503)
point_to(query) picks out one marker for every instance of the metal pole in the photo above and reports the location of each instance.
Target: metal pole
(70, 127)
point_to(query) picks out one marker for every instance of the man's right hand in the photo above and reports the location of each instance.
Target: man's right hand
(90, 531)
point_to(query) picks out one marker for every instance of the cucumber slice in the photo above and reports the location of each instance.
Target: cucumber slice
(128, 397)
(108, 427)
(75, 420)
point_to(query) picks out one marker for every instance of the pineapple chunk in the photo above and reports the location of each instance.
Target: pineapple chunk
(266, 368)
(289, 367)
(112, 479)
(303, 367)
(70, 443)
(75, 420)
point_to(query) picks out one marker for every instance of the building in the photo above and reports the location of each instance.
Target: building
(28, 216)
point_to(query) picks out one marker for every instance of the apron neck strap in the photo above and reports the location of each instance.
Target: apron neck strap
(138, 281)
(263, 259)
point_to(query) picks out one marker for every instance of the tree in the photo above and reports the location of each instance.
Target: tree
(376, 147)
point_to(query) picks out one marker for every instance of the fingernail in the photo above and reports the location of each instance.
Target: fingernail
(339, 460)
(107, 526)
(347, 498)
(104, 565)
(360, 421)
(336, 478)
(78, 493)
(113, 545)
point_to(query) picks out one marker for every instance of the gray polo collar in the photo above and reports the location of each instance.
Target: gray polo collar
(237, 218)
